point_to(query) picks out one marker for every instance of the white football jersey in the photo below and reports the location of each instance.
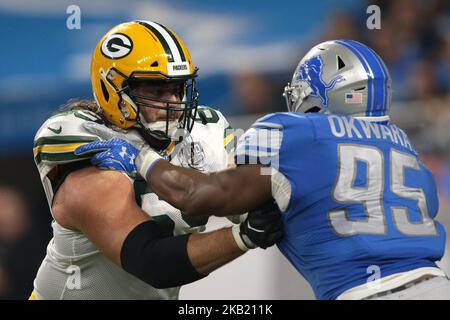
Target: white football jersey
(73, 268)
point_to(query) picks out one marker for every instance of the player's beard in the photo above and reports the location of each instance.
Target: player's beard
(155, 133)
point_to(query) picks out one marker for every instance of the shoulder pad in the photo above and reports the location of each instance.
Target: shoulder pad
(208, 116)
(280, 119)
(61, 134)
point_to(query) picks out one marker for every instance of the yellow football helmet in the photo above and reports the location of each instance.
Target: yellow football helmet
(142, 51)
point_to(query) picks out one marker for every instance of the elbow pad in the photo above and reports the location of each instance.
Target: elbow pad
(161, 261)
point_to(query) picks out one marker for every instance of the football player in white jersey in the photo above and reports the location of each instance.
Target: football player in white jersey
(112, 237)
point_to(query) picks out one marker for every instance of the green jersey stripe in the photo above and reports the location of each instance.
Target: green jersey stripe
(59, 157)
(64, 140)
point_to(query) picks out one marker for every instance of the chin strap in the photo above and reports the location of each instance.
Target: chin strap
(157, 139)
(155, 134)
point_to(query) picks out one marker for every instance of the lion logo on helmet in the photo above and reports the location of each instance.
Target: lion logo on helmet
(310, 71)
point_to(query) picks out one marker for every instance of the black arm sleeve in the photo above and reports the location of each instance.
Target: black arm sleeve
(157, 259)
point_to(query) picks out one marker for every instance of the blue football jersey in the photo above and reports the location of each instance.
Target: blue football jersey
(360, 198)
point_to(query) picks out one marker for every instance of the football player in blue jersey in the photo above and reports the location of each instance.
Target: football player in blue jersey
(358, 205)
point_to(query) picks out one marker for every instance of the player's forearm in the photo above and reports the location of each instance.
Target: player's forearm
(189, 190)
(232, 191)
(209, 251)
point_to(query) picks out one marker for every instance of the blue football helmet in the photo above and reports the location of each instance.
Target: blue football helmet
(341, 77)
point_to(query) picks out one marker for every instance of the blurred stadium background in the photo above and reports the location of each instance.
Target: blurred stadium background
(246, 51)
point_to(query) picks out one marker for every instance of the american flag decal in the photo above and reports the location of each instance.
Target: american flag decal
(353, 98)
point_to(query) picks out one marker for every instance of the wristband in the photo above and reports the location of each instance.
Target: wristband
(146, 160)
(235, 230)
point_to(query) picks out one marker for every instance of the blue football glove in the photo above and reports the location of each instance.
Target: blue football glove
(115, 154)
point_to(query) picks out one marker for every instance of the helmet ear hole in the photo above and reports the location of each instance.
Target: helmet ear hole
(104, 90)
(313, 110)
(154, 64)
(340, 63)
